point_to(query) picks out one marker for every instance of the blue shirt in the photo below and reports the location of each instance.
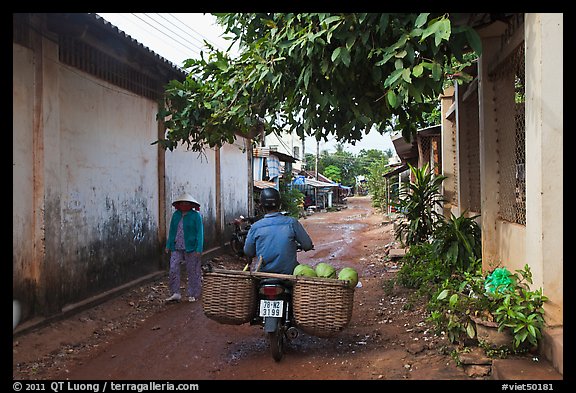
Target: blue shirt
(275, 237)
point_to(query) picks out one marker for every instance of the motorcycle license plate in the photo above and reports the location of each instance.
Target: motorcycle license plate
(271, 308)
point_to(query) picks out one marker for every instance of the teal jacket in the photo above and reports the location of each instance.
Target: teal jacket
(193, 231)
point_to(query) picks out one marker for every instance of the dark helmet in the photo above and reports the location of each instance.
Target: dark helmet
(270, 198)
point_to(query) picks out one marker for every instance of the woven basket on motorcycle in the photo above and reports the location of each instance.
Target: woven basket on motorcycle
(322, 306)
(229, 296)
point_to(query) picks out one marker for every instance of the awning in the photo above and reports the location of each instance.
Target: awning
(319, 184)
(262, 184)
(283, 157)
(396, 171)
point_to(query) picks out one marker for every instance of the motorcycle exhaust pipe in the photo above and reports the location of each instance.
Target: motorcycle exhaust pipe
(291, 333)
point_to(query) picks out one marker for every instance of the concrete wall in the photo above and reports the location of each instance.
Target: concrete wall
(540, 242)
(194, 173)
(91, 194)
(545, 147)
(108, 183)
(286, 144)
(85, 186)
(197, 174)
(26, 274)
(234, 184)
(511, 246)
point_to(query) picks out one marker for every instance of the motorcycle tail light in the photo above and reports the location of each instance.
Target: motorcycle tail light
(271, 290)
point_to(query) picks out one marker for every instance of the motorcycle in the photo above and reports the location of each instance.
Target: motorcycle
(241, 227)
(275, 310)
(275, 313)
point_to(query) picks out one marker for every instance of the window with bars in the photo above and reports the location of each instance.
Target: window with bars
(508, 82)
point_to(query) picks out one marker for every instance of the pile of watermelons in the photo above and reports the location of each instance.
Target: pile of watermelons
(325, 270)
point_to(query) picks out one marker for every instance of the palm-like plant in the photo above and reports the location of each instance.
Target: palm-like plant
(458, 242)
(418, 200)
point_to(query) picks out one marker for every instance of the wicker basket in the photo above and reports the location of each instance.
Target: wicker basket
(322, 307)
(229, 296)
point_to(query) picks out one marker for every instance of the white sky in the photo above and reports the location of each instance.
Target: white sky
(180, 36)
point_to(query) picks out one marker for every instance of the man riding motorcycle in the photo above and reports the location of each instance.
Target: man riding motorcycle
(276, 238)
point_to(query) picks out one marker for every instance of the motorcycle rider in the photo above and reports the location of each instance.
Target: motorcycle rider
(276, 237)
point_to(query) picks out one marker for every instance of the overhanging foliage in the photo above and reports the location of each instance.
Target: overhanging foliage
(317, 74)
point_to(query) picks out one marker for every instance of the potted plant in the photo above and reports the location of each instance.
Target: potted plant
(498, 309)
(516, 308)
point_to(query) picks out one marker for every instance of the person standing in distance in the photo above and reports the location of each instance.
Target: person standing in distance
(185, 244)
(276, 237)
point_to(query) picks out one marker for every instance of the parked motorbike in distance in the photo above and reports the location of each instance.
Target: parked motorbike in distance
(240, 231)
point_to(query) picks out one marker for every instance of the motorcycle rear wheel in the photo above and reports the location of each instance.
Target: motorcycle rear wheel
(276, 339)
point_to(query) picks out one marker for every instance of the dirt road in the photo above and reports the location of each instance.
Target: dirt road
(138, 337)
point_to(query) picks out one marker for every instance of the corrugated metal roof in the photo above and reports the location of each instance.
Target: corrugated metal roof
(98, 19)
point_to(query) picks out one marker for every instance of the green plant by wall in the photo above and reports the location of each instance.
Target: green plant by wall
(421, 268)
(455, 301)
(457, 242)
(514, 307)
(520, 309)
(418, 201)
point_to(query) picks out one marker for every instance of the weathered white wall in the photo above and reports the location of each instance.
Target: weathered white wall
(512, 245)
(85, 188)
(109, 177)
(91, 194)
(234, 178)
(22, 163)
(194, 173)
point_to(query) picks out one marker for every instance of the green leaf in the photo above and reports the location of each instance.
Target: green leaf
(393, 77)
(307, 74)
(421, 19)
(417, 70)
(406, 75)
(387, 56)
(443, 32)
(453, 300)
(392, 98)
(222, 65)
(443, 294)
(350, 42)
(474, 40)
(345, 56)
(336, 54)
(331, 19)
(436, 71)
(383, 22)
(470, 330)
(401, 54)
(285, 44)
(431, 29)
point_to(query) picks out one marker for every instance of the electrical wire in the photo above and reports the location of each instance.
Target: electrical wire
(204, 38)
(171, 38)
(168, 29)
